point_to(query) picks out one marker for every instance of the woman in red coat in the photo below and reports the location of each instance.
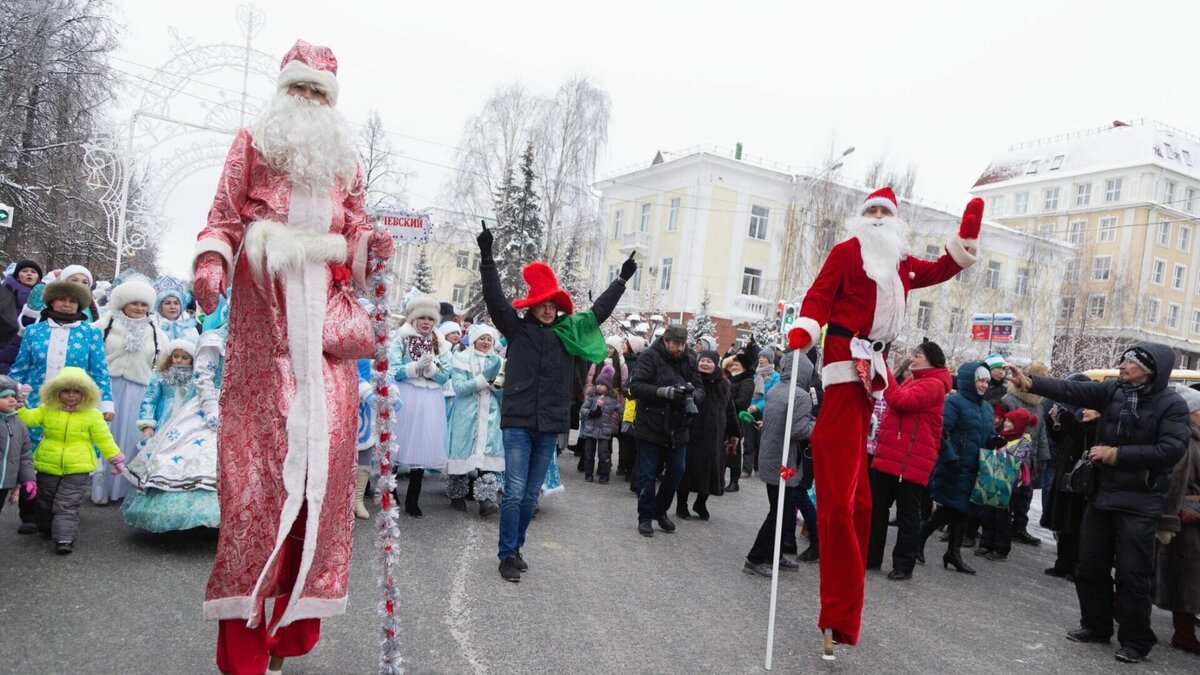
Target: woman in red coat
(905, 452)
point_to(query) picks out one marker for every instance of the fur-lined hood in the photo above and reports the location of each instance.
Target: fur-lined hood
(70, 377)
(1032, 400)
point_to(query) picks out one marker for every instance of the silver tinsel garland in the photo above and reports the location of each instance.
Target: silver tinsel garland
(387, 538)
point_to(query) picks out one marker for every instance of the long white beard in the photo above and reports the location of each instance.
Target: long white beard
(310, 142)
(884, 243)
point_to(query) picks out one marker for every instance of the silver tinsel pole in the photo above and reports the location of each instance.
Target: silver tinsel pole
(387, 538)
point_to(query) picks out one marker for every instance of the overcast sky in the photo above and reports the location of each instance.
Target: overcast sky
(945, 85)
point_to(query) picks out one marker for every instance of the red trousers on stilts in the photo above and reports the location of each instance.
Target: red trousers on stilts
(246, 651)
(839, 446)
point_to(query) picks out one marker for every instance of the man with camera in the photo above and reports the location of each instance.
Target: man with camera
(1143, 433)
(666, 385)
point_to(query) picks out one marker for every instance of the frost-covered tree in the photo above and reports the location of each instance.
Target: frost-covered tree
(383, 178)
(519, 232)
(422, 278)
(766, 331)
(570, 274)
(702, 323)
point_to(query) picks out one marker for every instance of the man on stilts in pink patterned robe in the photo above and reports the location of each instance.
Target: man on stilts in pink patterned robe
(288, 228)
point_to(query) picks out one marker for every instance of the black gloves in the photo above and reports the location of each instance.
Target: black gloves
(676, 393)
(485, 244)
(595, 412)
(628, 268)
(996, 442)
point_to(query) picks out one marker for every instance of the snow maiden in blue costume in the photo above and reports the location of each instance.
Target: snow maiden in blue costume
(476, 443)
(167, 391)
(176, 473)
(171, 307)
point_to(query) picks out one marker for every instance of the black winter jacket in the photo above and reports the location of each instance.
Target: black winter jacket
(661, 420)
(540, 374)
(1138, 482)
(743, 390)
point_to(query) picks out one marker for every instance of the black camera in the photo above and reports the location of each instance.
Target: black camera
(689, 403)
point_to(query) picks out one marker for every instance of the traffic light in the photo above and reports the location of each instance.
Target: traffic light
(789, 318)
(6, 215)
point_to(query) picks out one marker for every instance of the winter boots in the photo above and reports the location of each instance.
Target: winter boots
(415, 478)
(360, 489)
(953, 556)
(1185, 633)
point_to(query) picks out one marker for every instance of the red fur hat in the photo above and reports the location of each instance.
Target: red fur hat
(543, 287)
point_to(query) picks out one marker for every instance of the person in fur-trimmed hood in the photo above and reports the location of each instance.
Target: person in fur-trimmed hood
(133, 343)
(860, 295)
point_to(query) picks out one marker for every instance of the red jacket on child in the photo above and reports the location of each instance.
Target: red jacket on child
(908, 441)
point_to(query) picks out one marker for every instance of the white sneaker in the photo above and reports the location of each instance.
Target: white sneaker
(103, 501)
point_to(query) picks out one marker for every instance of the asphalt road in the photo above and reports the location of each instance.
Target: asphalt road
(598, 598)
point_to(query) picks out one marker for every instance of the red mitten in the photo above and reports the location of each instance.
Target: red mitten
(381, 245)
(972, 217)
(208, 281)
(798, 338)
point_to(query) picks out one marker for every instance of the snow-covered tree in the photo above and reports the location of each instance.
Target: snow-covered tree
(519, 232)
(383, 179)
(766, 331)
(422, 279)
(702, 323)
(570, 274)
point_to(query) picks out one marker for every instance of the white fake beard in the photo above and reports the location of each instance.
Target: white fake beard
(310, 142)
(884, 243)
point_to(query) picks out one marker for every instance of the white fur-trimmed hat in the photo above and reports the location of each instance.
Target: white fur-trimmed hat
(882, 197)
(310, 64)
(186, 346)
(71, 270)
(449, 327)
(136, 289)
(478, 330)
(421, 306)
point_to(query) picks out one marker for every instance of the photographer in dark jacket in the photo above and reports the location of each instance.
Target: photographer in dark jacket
(539, 375)
(1143, 433)
(1074, 430)
(667, 386)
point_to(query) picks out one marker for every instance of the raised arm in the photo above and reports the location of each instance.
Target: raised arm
(607, 302)
(499, 307)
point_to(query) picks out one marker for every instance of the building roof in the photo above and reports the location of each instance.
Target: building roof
(1121, 145)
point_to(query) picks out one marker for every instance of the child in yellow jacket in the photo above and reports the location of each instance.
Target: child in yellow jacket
(71, 426)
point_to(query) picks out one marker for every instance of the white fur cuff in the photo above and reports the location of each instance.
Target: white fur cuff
(812, 328)
(286, 249)
(958, 250)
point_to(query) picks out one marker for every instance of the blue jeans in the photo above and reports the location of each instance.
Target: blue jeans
(527, 455)
(651, 505)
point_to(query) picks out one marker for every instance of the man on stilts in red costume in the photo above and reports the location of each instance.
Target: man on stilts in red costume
(860, 294)
(289, 229)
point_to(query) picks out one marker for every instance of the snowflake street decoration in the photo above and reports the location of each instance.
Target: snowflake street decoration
(108, 173)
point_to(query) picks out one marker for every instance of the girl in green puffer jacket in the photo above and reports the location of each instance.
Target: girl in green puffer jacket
(71, 425)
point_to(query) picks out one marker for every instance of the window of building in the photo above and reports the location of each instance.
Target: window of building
(1189, 199)
(1046, 230)
(1096, 306)
(1108, 230)
(1169, 193)
(1083, 194)
(664, 275)
(1173, 312)
(924, 315)
(932, 251)
(1158, 271)
(1071, 272)
(1187, 157)
(1021, 203)
(618, 223)
(751, 281)
(1018, 330)
(644, 223)
(759, 215)
(1195, 315)
(1022, 285)
(992, 278)
(475, 262)
(997, 205)
(1101, 268)
(1179, 277)
(1075, 231)
(1066, 307)
(1112, 190)
(1164, 233)
(1050, 199)
(966, 276)
(1032, 167)
(1185, 238)
(1152, 307)
(637, 279)
(1057, 162)
(956, 320)
(459, 295)
(673, 215)
(462, 260)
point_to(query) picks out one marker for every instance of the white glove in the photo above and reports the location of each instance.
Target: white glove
(430, 370)
(1164, 538)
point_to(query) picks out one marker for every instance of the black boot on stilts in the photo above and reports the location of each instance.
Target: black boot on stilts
(953, 556)
(415, 478)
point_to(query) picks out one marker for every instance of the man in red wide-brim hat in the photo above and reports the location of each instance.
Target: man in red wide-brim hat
(860, 295)
(536, 406)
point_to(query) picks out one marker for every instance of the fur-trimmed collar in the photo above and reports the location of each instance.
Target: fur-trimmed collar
(1024, 396)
